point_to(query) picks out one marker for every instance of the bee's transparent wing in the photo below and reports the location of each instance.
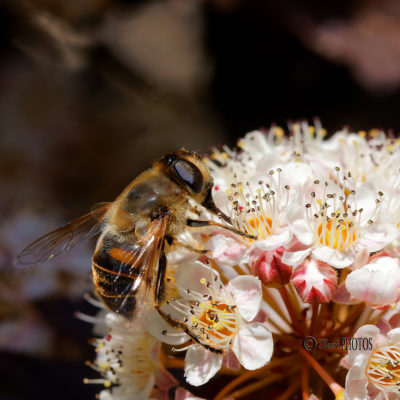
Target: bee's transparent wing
(130, 284)
(62, 239)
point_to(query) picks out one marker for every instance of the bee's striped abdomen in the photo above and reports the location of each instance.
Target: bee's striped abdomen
(115, 272)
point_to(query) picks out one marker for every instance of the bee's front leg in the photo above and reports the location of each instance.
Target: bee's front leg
(174, 242)
(202, 224)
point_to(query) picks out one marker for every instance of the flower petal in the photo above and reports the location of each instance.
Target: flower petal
(343, 296)
(299, 226)
(225, 249)
(191, 276)
(333, 257)
(356, 384)
(280, 238)
(247, 293)
(201, 365)
(377, 237)
(376, 283)
(253, 345)
(354, 354)
(161, 330)
(295, 258)
(394, 336)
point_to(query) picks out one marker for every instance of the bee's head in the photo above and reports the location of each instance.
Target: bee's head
(189, 172)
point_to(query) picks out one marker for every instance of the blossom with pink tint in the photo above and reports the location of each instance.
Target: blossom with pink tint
(374, 364)
(377, 283)
(343, 296)
(222, 318)
(227, 251)
(315, 281)
(127, 357)
(268, 266)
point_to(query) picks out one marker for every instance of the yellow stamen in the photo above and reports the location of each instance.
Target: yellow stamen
(339, 236)
(266, 223)
(279, 132)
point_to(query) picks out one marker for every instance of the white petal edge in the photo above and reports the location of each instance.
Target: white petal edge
(333, 257)
(248, 296)
(377, 282)
(189, 276)
(359, 354)
(155, 325)
(295, 258)
(280, 238)
(394, 336)
(253, 345)
(201, 365)
(356, 384)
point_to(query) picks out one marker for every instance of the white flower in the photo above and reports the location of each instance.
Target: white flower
(337, 223)
(127, 357)
(219, 317)
(374, 362)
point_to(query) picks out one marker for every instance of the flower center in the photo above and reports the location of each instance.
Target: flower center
(216, 321)
(262, 225)
(337, 233)
(335, 218)
(123, 358)
(256, 208)
(383, 368)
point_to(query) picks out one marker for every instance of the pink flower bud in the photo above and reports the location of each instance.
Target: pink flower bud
(315, 281)
(268, 266)
(343, 296)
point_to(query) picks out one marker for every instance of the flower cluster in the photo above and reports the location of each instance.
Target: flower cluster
(325, 264)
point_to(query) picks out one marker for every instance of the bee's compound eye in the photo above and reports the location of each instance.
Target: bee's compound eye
(190, 175)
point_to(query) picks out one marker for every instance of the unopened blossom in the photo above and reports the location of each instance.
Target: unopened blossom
(220, 317)
(377, 283)
(268, 266)
(315, 281)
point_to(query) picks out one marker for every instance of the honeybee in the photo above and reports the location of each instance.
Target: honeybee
(129, 262)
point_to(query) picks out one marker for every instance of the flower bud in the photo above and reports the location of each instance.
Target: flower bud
(315, 281)
(268, 266)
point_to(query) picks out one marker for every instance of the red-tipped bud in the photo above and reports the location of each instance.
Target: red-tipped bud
(315, 281)
(268, 266)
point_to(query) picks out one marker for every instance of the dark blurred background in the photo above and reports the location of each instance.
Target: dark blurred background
(91, 91)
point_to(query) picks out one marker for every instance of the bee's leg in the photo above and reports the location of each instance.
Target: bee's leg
(160, 283)
(200, 224)
(175, 243)
(160, 299)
